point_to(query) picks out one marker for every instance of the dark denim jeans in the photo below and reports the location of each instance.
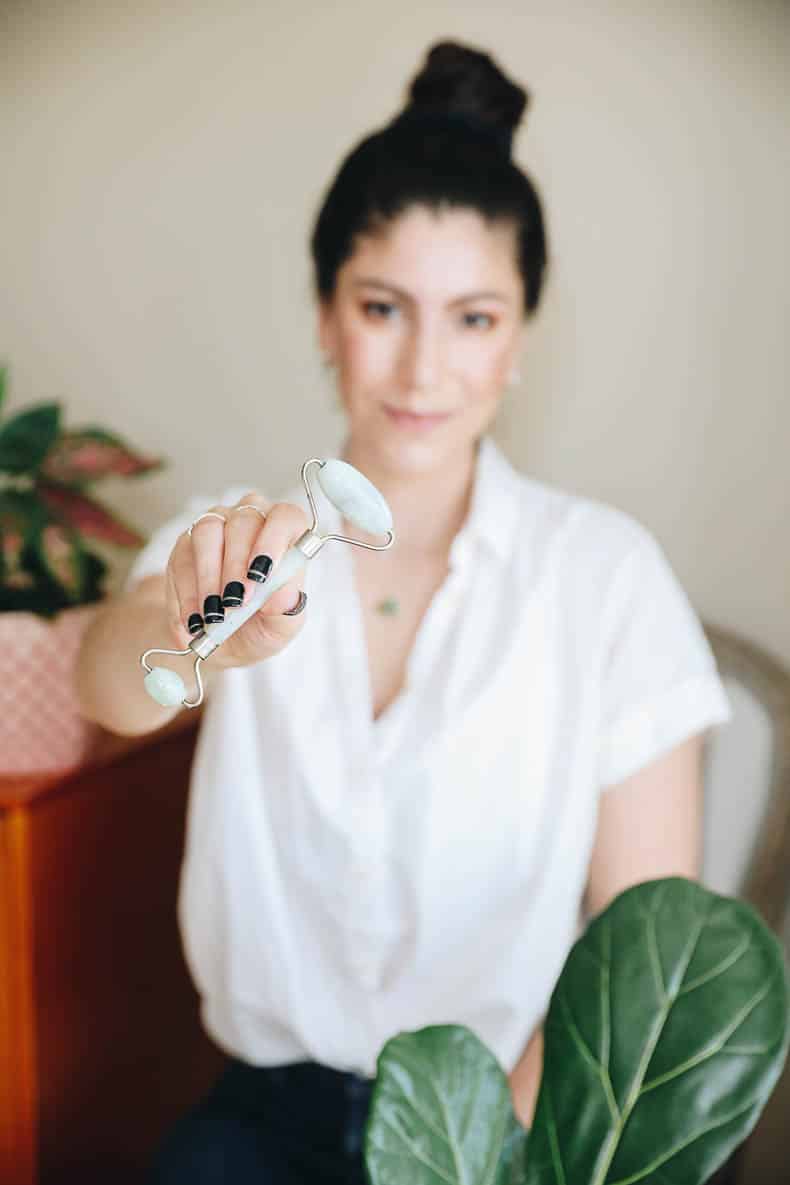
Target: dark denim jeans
(276, 1125)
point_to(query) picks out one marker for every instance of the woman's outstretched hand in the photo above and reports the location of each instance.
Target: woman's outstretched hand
(220, 562)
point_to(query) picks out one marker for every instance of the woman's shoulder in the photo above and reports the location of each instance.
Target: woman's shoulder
(582, 529)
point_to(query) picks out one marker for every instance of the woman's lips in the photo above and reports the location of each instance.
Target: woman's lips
(408, 419)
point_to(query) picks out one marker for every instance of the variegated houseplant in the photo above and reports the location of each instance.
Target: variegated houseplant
(52, 576)
(665, 1035)
(48, 517)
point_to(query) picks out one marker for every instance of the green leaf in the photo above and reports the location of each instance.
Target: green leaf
(27, 438)
(20, 510)
(43, 565)
(3, 384)
(441, 1113)
(666, 1033)
(21, 519)
(511, 1164)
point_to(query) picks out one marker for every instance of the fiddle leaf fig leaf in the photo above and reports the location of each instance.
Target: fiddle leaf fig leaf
(441, 1113)
(666, 1033)
(511, 1163)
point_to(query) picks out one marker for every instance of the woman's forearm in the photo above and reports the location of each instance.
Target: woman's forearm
(524, 1080)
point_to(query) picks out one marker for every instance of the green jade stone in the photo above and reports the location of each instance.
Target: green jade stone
(165, 686)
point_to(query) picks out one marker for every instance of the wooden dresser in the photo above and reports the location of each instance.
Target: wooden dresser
(100, 1041)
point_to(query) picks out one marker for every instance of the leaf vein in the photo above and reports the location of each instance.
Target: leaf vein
(414, 1151)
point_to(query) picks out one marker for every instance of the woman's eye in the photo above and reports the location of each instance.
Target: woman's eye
(474, 320)
(378, 309)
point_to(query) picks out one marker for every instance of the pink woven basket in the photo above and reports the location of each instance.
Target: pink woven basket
(40, 728)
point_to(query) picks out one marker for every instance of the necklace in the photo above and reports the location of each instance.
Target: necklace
(389, 607)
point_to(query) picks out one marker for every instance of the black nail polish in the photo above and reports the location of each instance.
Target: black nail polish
(233, 594)
(260, 568)
(194, 623)
(298, 607)
(212, 609)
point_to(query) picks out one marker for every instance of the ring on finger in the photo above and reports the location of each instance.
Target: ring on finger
(250, 506)
(208, 514)
(298, 607)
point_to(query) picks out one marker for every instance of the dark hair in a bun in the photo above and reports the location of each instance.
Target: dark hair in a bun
(465, 85)
(450, 145)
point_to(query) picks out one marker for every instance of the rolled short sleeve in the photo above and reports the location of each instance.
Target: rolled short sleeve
(660, 682)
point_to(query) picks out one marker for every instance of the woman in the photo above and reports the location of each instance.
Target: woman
(402, 799)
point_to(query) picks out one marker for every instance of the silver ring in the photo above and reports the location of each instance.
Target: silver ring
(298, 607)
(208, 514)
(250, 506)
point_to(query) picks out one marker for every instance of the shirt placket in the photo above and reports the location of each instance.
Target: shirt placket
(365, 918)
(370, 914)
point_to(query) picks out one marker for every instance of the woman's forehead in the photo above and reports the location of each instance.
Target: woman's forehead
(437, 253)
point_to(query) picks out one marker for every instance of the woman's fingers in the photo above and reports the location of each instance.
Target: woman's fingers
(245, 522)
(208, 548)
(232, 549)
(286, 601)
(284, 525)
(182, 590)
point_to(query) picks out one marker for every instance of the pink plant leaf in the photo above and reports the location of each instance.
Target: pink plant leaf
(11, 544)
(83, 456)
(61, 555)
(87, 516)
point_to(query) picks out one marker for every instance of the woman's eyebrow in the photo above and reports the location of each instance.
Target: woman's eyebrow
(372, 282)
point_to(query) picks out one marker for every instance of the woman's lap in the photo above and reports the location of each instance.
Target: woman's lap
(207, 1149)
(279, 1125)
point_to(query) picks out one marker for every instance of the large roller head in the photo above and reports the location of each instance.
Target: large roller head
(355, 497)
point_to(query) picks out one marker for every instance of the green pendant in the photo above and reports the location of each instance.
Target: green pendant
(388, 607)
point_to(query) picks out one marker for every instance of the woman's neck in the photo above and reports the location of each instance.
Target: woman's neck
(428, 509)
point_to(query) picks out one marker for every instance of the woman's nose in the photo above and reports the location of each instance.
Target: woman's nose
(422, 361)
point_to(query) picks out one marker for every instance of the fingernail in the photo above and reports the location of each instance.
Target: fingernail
(194, 623)
(298, 607)
(212, 609)
(260, 568)
(233, 594)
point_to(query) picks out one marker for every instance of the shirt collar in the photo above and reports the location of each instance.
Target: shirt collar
(493, 508)
(492, 518)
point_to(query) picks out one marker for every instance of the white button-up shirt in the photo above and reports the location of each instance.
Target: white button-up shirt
(346, 879)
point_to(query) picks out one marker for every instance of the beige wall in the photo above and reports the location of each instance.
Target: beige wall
(162, 164)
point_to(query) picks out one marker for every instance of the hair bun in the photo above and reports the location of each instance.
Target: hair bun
(463, 85)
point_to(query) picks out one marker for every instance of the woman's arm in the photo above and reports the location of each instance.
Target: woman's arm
(649, 825)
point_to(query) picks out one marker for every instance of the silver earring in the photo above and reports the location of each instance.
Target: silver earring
(514, 378)
(328, 361)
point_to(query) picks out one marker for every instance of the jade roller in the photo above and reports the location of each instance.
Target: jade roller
(355, 497)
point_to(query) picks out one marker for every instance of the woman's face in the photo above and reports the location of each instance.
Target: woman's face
(424, 327)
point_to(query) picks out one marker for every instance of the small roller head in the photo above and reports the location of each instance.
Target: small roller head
(165, 686)
(355, 497)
